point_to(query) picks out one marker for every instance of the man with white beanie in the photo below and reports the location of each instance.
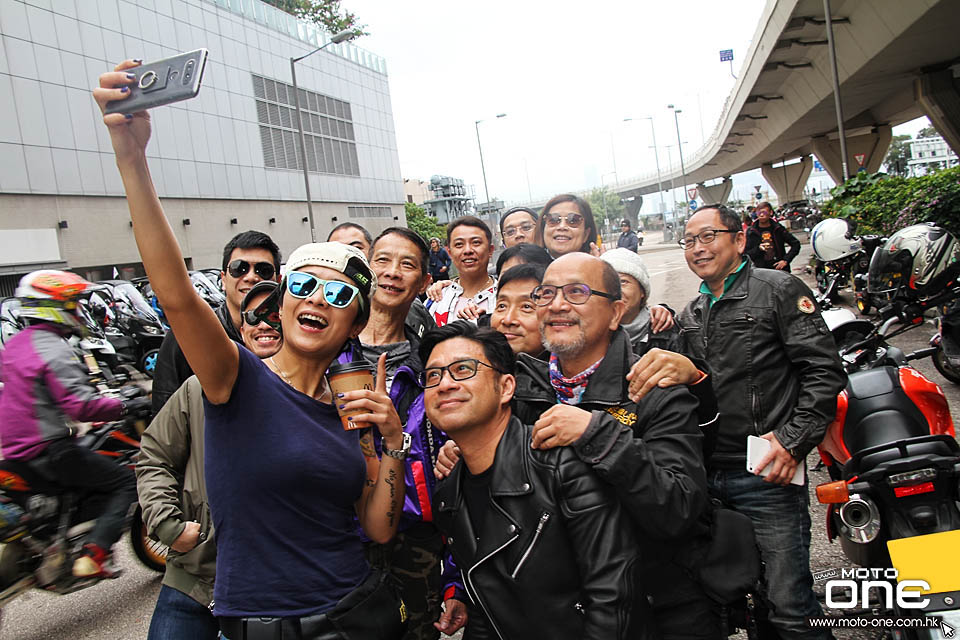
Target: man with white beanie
(635, 291)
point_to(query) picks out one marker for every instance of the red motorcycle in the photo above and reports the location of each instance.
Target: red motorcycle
(43, 525)
(891, 450)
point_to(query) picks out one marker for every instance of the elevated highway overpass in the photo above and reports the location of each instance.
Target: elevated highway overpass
(897, 60)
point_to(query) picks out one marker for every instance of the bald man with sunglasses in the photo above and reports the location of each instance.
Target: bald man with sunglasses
(250, 257)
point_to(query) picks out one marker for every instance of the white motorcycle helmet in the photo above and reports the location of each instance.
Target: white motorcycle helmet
(831, 240)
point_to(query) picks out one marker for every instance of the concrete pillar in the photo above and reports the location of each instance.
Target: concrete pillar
(715, 193)
(788, 181)
(938, 94)
(633, 206)
(871, 145)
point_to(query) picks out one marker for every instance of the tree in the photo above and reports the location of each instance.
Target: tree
(423, 223)
(928, 132)
(605, 202)
(895, 161)
(325, 13)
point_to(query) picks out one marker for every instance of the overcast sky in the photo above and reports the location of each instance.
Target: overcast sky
(566, 74)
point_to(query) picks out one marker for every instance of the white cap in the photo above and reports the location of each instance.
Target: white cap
(340, 257)
(628, 262)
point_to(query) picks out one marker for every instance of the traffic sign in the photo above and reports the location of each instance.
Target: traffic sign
(692, 193)
(860, 157)
(693, 204)
(758, 195)
(726, 54)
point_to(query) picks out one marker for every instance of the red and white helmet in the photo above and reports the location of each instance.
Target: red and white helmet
(51, 296)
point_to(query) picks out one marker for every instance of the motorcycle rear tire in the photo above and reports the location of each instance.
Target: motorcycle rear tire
(946, 369)
(151, 553)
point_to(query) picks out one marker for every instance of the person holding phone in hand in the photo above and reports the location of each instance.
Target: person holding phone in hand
(286, 481)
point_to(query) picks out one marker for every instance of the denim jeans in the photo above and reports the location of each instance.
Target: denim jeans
(177, 616)
(781, 520)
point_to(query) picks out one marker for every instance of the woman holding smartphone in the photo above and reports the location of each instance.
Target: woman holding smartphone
(285, 480)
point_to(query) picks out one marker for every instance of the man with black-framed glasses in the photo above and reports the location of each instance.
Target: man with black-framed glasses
(544, 547)
(250, 257)
(775, 364)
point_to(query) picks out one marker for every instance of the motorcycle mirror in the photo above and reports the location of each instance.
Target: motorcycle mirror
(833, 493)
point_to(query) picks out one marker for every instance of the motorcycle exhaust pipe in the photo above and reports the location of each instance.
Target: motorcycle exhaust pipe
(860, 520)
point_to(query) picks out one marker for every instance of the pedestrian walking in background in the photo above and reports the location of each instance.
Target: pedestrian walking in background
(628, 239)
(439, 261)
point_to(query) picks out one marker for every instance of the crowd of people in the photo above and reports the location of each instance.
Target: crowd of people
(542, 453)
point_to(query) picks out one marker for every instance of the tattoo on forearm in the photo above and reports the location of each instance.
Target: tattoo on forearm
(366, 445)
(392, 482)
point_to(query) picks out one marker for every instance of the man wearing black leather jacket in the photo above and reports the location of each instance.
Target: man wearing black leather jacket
(545, 548)
(249, 257)
(775, 366)
(650, 453)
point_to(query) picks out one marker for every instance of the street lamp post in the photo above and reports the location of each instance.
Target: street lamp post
(656, 156)
(336, 39)
(683, 171)
(483, 170)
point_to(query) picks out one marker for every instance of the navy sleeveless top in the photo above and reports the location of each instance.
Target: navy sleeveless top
(282, 479)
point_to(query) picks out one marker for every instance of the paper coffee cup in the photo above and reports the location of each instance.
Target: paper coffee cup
(350, 376)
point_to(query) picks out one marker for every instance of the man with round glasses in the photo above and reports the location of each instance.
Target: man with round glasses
(775, 364)
(250, 257)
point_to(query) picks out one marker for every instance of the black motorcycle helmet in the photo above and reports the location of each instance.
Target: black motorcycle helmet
(915, 262)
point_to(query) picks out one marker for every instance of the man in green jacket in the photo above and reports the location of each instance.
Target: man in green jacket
(173, 494)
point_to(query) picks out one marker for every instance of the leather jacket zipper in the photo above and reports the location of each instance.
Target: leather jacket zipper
(755, 409)
(476, 594)
(536, 536)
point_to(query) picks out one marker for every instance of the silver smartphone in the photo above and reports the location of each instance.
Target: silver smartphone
(163, 82)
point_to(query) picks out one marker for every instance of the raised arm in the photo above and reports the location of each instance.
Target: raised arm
(211, 354)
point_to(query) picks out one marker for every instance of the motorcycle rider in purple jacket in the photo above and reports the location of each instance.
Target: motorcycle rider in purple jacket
(400, 258)
(45, 390)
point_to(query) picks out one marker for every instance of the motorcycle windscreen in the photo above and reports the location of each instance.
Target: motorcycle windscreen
(932, 558)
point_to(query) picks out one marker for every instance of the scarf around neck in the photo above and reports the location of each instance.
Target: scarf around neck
(570, 390)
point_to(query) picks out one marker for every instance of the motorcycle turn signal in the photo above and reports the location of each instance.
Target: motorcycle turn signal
(833, 492)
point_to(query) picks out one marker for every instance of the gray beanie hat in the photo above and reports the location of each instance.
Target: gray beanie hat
(628, 262)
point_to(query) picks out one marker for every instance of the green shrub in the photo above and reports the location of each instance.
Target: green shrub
(882, 204)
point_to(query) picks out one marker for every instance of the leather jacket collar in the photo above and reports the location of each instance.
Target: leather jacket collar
(739, 290)
(509, 476)
(607, 385)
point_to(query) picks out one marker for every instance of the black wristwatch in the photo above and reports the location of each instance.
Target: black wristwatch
(401, 453)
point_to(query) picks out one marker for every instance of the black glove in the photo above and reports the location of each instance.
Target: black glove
(136, 406)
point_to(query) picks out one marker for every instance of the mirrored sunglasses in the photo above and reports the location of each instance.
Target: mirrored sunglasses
(335, 293)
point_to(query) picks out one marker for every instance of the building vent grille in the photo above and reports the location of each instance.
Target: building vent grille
(327, 130)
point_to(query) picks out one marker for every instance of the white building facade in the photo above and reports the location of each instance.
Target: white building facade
(930, 154)
(224, 162)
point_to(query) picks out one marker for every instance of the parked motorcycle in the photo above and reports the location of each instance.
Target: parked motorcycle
(43, 525)
(891, 450)
(947, 342)
(843, 257)
(133, 327)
